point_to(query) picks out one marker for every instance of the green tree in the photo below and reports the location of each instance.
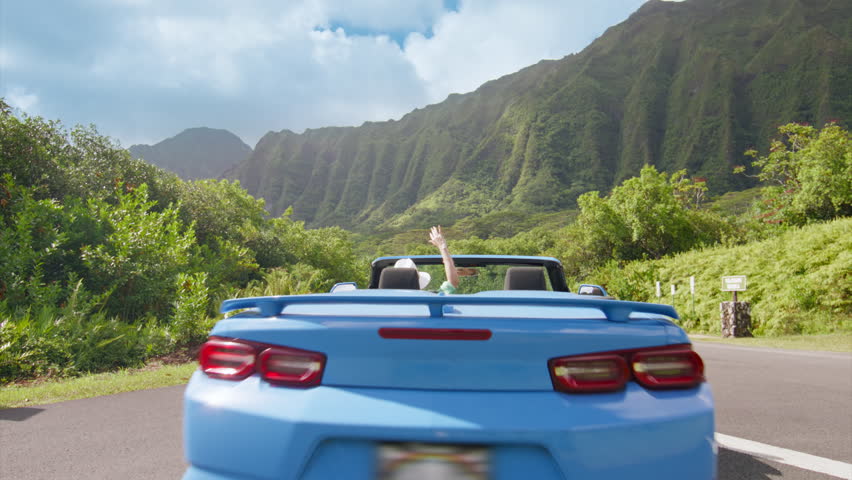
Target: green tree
(30, 240)
(29, 151)
(648, 216)
(219, 208)
(283, 242)
(96, 164)
(808, 173)
(141, 255)
(81, 163)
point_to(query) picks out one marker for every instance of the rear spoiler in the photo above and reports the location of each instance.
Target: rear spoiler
(614, 310)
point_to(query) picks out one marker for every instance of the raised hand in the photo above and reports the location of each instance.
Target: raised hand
(436, 237)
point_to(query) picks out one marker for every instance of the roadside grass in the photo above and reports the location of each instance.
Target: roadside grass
(836, 342)
(52, 391)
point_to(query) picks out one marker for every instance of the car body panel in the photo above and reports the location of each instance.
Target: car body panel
(493, 394)
(510, 360)
(258, 430)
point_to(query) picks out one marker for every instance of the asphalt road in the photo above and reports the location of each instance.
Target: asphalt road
(800, 401)
(791, 399)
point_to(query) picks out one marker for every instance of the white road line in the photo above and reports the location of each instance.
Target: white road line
(789, 457)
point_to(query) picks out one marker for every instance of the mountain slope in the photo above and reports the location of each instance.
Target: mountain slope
(678, 85)
(195, 153)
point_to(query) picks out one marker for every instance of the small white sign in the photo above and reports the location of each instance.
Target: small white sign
(734, 283)
(673, 290)
(659, 294)
(692, 285)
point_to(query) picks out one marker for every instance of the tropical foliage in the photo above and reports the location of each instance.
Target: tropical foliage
(106, 260)
(808, 173)
(648, 216)
(798, 281)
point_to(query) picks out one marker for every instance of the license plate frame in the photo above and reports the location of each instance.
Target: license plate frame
(430, 461)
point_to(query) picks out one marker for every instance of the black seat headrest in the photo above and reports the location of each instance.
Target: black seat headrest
(399, 278)
(524, 278)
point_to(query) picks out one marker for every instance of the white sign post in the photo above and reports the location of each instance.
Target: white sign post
(659, 294)
(692, 292)
(734, 283)
(736, 315)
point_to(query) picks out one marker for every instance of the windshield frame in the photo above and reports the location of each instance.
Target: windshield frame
(552, 266)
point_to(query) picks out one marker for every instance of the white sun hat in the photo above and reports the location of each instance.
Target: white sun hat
(422, 277)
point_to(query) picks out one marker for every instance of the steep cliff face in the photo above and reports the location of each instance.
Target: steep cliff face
(195, 153)
(678, 85)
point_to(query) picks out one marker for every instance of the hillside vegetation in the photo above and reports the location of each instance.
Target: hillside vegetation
(107, 261)
(798, 282)
(656, 227)
(679, 85)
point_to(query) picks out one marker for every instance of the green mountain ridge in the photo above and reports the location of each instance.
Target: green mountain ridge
(195, 153)
(678, 85)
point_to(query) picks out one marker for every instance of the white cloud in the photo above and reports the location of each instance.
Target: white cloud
(144, 70)
(22, 99)
(487, 39)
(386, 15)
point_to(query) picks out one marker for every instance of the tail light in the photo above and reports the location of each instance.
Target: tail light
(239, 359)
(229, 360)
(291, 367)
(681, 368)
(667, 367)
(590, 373)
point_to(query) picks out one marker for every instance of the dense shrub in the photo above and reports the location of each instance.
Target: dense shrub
(73, 339)
(798, 281)
(808, 174)
(140, 257)
(106, 260)
(646, 217)
(190, 323)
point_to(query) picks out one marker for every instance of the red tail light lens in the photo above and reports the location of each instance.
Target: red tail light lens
(239, 359)
(668, 367)
(681, 368)
(228, 360)
(589, 373)
(291, 367)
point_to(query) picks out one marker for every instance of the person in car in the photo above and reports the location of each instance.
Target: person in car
(436, 237)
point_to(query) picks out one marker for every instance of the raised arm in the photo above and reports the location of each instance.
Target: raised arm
(436, 237)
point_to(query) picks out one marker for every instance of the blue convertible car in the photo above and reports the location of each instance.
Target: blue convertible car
(513, 377)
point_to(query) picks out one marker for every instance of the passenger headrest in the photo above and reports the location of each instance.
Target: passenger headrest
(399, 278)
(524, 278)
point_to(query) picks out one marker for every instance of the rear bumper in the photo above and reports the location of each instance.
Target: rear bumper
(251, 430)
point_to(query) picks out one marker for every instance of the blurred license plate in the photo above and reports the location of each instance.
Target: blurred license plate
(419, 461)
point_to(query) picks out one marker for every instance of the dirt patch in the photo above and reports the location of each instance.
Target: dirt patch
(183, 355)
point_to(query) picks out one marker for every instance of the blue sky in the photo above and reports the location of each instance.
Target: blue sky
(144, 70)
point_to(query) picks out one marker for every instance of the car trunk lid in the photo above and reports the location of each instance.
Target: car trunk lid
(464, 342)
